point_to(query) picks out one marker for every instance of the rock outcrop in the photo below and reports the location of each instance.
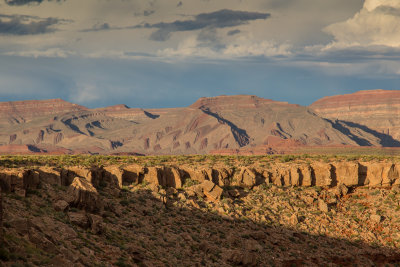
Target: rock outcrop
(371, 110)
(83, 194)
(254, 213)
(223, 124)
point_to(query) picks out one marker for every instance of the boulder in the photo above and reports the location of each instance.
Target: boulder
(221, 176)
(60, 205)
(322, 173)
(70, 173)
(113, 175)
(154, 176)
(322, 206)
(376, 218)
(306, 175)
(172, 177)
(341, 190)
(83, 194)
(20, 192)
(132, 174)
(280, 175)
(195, 190)
(49, 175)
(96, 223)
(79, 219)
(10, 179)
(242, 258)
(248, 178)
(196, 174)
(293, 220)
(381, 174)
(295, 176)
(164, 176)
(211, 190)
(347, 173)
(267, 176)
(31, 179)
(109, 177)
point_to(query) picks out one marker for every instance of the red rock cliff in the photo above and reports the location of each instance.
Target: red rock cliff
(379, 110)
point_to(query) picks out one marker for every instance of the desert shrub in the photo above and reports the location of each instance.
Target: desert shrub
(190, 182)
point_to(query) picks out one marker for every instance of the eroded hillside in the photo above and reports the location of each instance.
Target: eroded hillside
(200, 210)
(224, 125)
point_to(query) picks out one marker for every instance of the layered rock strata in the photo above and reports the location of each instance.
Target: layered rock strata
(377, 110)
(83, 181)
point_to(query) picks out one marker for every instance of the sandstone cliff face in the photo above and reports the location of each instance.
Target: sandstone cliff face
(379, 110)
(83, 181)
(22, 111)
(131, 214)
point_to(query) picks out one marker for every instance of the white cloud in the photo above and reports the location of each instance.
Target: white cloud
(264, 48)
(51, 52)
(85, 93)
(370, 5)
(241, 47)
(377, 23)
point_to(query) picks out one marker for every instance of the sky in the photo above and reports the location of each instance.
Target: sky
(169, 53)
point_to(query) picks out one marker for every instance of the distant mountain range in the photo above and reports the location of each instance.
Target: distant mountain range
(223, 124)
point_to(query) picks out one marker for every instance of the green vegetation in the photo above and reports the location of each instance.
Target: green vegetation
(16, 161)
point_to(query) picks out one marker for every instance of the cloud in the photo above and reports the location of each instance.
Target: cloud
(376, 24)
(25, 2)
(147, 13)
(233, 32)
(100, 27)
(22, 2)
(85, 93)
(219, 19)
(244, 47)
(47, 53)
(18, 25)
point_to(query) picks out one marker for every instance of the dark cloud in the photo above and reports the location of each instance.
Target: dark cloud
(354, 55)
(208, 35)
(138, 54)
(389, 10)
(147, 13)
(22, 2)
(17, 25)
(233, 32)
(218, 19)
(25, 2)
(100, 27)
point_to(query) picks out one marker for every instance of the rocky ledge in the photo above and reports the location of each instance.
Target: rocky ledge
(283, 213)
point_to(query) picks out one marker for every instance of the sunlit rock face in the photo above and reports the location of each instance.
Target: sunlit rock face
(378, 110)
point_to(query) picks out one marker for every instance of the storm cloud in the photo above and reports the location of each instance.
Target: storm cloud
(233, 32)
(100, 27)
(22, 2)
(25, 2)
(17, 26)
(219, 19)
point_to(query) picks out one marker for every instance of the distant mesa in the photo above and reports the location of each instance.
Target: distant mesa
(30, 109)
(19, 149)
(230, 102)
(238, 124)
(378, 110)
(115, 108)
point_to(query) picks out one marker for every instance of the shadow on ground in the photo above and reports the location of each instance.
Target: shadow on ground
(143, 228)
